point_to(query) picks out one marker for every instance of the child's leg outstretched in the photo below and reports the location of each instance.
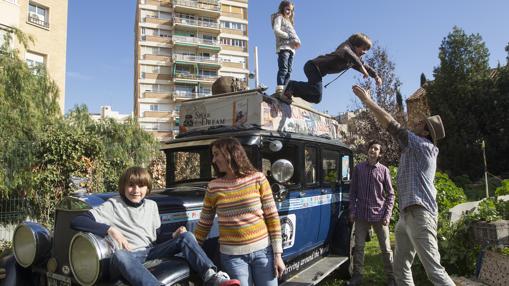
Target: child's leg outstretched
(311, 90)
(130, 266)
(198, 260)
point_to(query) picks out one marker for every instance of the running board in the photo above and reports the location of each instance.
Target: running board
(316, 272)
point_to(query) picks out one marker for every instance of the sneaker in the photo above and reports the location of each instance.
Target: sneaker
(222, 279)
(284, 97)
(280, 89)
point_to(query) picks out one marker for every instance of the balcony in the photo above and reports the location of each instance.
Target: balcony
(164, 3)
(157, 114)
(157, 94)
(158, 39)
(201, 25)
(195, 77)
(36, 20)
(156, 76)
(234, 15)
(196, 59)
(158, 21)
(184, 95)
(234, 31)
(234, 48)
(159, 58)
(234, 65)
(202, 7)
(193, 41)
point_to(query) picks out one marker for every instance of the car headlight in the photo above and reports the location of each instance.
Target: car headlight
(282, 170)
(31, 242)
(87, 257)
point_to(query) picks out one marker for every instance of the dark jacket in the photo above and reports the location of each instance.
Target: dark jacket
(341, 59)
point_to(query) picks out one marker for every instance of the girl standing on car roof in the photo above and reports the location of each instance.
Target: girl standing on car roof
(287, 42)
(249, 228)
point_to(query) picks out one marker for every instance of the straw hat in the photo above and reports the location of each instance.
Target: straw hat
(435, 127)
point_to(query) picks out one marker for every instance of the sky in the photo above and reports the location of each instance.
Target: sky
(100, 43)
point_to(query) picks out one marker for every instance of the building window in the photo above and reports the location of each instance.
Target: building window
(233, 25)
(233, 42)
(34, 60)
(154, 107)
(38, 15)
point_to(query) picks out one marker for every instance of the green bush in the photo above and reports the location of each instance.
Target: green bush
(448, 194)
(458, 249)
(504, 189)
(41, 150)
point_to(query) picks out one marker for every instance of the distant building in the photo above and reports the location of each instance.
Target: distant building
(344, 119)
(417, 106)
(181, 48)
(46, 22)
(106, 112)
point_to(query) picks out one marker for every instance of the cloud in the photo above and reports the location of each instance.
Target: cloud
(78, 76)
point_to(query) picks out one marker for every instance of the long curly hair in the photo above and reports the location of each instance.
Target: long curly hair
(281, 9)
(235, 157)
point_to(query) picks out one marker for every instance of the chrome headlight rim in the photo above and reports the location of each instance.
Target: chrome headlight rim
(40, 239)
(90, 238)
(282, 170)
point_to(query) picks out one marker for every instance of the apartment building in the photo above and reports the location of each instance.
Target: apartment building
(46, 22)
(181, 47)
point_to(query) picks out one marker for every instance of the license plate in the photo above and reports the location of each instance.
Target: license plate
(58, 280)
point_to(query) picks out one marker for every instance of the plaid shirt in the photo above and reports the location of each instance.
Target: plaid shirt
(416, 171)
(367, 198)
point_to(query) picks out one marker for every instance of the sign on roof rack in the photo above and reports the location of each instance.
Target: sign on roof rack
(254, 109)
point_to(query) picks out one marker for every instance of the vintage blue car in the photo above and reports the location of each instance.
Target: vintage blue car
(309, 174)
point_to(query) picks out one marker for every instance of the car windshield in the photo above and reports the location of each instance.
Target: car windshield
(194, 164)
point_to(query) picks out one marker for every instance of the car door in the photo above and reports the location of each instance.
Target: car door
(298, 211)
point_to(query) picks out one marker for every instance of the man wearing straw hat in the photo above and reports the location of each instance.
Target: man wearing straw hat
(416, 230)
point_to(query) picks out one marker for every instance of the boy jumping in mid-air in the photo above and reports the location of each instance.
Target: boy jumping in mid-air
(347, 55)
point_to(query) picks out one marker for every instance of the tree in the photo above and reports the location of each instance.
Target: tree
(464, 94)
(507, 50)
(41, 150)
(423, 79)
(364, 127)
(28, 102)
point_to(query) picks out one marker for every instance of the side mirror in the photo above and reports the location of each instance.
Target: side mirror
(282, 170)
(280, 192)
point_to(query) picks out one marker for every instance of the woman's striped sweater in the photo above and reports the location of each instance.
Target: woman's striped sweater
(247, 215)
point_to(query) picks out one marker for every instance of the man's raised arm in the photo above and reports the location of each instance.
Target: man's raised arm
(381, 115)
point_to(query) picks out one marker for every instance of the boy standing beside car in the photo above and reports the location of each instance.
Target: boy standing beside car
(371, 203)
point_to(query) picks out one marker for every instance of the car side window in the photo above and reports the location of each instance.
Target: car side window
(310, 172)
(330, 166)
(345, 168)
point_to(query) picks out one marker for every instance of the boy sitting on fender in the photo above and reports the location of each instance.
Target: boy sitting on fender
(347, 55)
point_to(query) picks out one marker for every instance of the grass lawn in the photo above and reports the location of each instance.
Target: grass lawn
(373, 268)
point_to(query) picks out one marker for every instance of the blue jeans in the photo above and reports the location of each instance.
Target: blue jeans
(310, 91)
(130, 264)
(256, 268)
(284, 64)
